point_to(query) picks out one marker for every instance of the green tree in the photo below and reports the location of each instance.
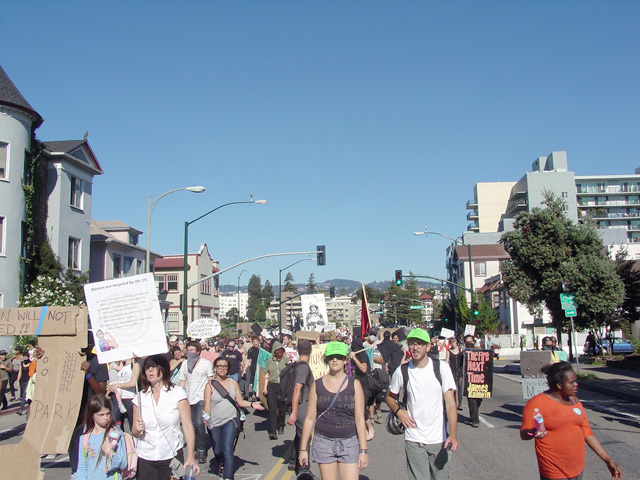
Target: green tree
(289, 286)
(255, 298)
(412, 297)
(629, 310)
(267, 294)
(311, 284)
(550, 255)
(373, 296)
(488, 320)
(463, 312)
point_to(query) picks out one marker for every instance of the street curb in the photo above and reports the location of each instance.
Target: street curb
(609, 391)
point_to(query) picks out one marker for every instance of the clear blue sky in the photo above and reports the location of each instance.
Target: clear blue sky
(359, 122)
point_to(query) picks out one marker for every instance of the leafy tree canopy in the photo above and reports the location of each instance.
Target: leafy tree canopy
(551, 255)
(288, 284)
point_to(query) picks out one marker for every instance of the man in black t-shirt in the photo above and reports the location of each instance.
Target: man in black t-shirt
(299, 401)
(234, 358)
(250, 367)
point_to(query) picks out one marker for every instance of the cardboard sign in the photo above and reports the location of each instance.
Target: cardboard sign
(533, 381)
(204, 328)
(59, 381)
(126, 318)
(447, 333)
(315, 336)
(469, 329)
(316, 361)
(478, 373)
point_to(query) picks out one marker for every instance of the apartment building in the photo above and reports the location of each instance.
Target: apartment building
(229, 301)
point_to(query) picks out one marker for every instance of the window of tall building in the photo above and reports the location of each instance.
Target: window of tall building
(76, 192)
(4, 148)
(73, 261)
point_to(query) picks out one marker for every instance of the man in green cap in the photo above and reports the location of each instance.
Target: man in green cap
(426, 439)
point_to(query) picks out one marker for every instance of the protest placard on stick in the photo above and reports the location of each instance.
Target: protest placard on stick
(478, 373)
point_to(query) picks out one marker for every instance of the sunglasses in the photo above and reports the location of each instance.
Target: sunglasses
(332, 357)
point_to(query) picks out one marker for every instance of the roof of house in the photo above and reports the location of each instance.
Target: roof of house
(426, 296)
(482, 252)
(173, 262)
(71, 150)
(11, 97)
(116, 225)
(100, 234)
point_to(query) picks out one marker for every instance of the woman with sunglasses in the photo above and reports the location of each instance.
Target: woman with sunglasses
(221, 415)
(336, 408)
(158, 413)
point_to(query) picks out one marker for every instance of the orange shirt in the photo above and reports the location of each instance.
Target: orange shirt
(561, 453)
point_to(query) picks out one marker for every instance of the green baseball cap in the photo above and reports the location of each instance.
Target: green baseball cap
(419, 334)
(336, 348)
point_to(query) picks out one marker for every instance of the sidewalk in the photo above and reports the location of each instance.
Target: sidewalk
(617, 382)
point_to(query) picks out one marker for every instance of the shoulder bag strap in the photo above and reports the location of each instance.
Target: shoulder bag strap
(333, 400)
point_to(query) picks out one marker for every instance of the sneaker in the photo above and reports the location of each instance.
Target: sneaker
(273, 436)
(378, 416)
(475, 424)
(201, 457)
(281, 431)
(292, 464)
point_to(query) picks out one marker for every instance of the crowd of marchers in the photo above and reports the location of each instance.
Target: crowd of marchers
(158, 417)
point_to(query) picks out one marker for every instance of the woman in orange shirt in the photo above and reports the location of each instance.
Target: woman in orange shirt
(560, 442)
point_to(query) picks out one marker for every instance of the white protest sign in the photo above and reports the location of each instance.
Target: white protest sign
(447, 333)
(204, 328)
(314, 312)
(284, 331)
(125, 318)
(470, 330)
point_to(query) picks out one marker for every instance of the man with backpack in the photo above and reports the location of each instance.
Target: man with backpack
(295, 386)
(424, 382)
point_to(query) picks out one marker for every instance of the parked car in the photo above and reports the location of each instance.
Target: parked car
(620, 345)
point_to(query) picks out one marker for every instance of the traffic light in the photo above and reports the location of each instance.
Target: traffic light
(332, 292)
(398, 277)
(382, 301)
(475, 310)
(321, 255)
(446, 320)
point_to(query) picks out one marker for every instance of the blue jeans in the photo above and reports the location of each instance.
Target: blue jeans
(198, 426)
(223, 438)
(235, 376)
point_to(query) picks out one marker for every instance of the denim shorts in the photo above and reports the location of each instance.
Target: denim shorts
(330, 450)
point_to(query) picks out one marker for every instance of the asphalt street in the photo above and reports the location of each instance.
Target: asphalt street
(492, 451)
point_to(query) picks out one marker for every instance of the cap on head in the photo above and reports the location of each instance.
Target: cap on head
(3, 352)
(336, 348)
(419, 334)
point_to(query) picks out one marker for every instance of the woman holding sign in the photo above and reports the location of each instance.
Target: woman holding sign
(558, 422)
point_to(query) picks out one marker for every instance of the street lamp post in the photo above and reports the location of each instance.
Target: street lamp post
(150, 207)
(280, 290)
(238, 309)
(426, 232)
(186, 253)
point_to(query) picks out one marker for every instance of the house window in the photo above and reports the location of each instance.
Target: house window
(73, 261)
(117, 268)
(160, 283)
(2, 235)
(172, 282)
(133, 239)
(480, 269)
(128, 266)
(139, 267)
(76, 192)
(173, 322)
(205, 313)
(205, 287)
(3, 159)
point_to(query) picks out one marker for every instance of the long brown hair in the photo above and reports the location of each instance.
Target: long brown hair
(97, 403)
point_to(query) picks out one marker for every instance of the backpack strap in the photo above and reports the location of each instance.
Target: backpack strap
(405, 381)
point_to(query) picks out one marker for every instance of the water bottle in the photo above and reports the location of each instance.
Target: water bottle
(537, 417)
(188, 473)
(114, 435)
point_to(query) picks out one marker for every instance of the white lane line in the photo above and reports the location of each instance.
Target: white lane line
(59, 459)
(485, 422)
(509, 377)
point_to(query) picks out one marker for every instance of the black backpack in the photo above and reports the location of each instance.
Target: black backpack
(379, 380)
(288, 381)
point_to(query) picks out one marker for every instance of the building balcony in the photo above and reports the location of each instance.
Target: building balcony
(472, 215)
(608, 190)
(472, 227)
(472, 204)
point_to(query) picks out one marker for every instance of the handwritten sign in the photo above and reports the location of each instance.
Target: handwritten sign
(470, 330)
(478, 373)
(316, 361)
(204, 328)
(447, 333)
(125, 318)
(62, 332)
(533, 380)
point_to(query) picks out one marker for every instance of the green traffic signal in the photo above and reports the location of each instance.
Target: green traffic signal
(398, 277)
(475, 309)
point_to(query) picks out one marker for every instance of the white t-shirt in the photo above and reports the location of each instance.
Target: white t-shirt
(124, 376)
(162, 436)
(195, 382)
(425, 401)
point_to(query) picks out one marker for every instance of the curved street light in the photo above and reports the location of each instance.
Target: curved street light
(186, 253)
(151, 205)
(460, 242)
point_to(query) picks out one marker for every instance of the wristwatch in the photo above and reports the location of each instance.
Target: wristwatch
(364, 451)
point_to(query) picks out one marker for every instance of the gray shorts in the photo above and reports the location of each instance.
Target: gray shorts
(330, 450)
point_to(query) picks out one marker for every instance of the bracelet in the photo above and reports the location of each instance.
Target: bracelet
(301, 450)
(87, 376)
(397, 410)
(364, 451)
